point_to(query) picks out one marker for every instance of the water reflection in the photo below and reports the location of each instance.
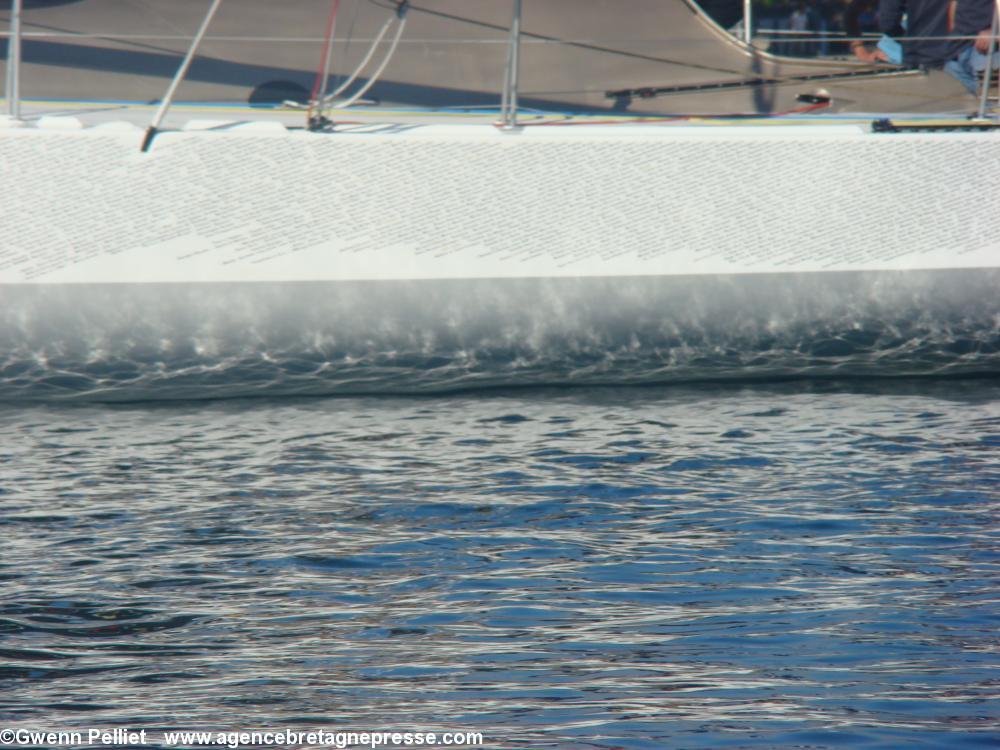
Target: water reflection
(719, 567)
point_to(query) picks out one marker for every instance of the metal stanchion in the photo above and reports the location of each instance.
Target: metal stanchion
(988, 73)
(12, 88)
(508, 106)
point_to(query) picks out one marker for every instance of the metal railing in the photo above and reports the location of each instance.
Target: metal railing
(12, 86)
(984, 93)
(508, 102)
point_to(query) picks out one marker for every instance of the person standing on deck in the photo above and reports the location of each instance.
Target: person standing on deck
(967, 57)
(924, 18)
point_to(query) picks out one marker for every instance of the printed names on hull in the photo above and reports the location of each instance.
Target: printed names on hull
(84, 206)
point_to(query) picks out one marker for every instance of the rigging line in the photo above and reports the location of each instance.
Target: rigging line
(323, 72)
(349, 39)
(329, 62)
(385, 62)
(168, 98)
(528, 36)
(361, 66)
(818, 36)
(800, 36)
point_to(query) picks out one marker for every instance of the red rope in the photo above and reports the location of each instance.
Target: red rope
(320, 74)
(803, 110)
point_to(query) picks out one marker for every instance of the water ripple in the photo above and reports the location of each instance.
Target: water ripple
(740, 567)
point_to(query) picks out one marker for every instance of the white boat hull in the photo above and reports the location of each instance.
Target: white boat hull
(259, 261)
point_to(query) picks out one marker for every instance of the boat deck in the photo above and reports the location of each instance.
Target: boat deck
(453, 52)
(202, 116)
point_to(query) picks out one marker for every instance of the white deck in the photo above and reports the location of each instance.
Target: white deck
(452, 53)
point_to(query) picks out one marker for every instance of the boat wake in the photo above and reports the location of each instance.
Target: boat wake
(183, 341)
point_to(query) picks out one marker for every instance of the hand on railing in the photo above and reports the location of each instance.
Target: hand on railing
(868, 54)
(983, 41)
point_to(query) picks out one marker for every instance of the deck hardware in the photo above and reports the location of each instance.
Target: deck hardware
(970, 125)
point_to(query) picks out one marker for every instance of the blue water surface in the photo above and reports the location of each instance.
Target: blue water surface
(766, 566)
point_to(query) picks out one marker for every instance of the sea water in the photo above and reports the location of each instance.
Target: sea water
(799, 565)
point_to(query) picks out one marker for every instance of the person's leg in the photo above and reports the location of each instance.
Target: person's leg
(977, 60)
(962, 69)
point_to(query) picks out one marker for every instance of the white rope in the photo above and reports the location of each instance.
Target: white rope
(357, 71)
(377, 74)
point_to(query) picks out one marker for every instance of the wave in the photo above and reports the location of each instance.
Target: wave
(182, 341)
